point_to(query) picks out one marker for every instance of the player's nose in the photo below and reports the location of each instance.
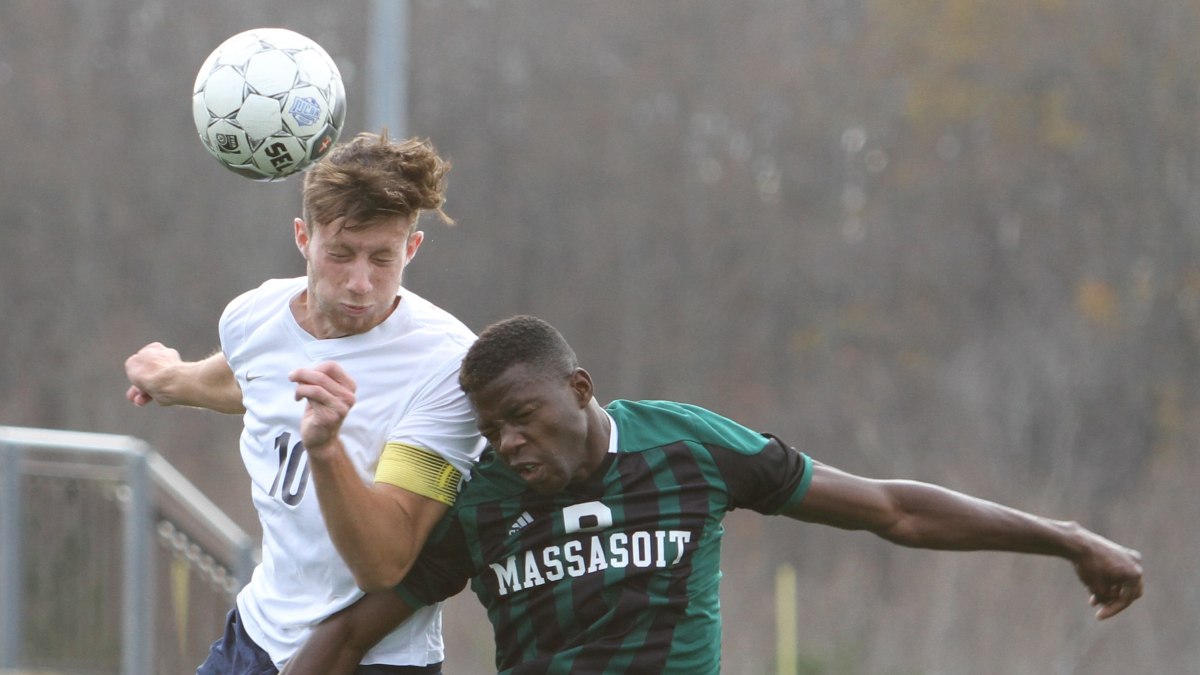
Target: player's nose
(510, 441)
(359, 280)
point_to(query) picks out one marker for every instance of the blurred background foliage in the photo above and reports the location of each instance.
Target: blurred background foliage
(950, 240)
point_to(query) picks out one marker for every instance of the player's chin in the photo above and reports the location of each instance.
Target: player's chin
(355, 323)
(543, 484)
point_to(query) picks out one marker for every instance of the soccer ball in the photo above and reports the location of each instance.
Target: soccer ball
(268, 103)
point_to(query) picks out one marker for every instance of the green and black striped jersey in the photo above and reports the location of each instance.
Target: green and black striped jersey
(619, 575)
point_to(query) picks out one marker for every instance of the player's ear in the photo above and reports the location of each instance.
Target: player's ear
(581, 384)
(413, 243)
(301, 233)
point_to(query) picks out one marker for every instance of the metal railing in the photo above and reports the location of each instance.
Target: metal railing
(101, 541)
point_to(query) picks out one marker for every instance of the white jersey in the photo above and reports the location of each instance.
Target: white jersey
(406, 370)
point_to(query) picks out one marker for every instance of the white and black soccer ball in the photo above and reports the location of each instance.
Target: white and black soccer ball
(268, 103)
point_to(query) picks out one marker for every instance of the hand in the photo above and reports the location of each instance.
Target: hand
(1112, 573)
(143, 370)
(329, 391)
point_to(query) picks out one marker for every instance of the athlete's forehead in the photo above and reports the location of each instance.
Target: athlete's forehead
(384, 220)
(392, 236)
(518, 385)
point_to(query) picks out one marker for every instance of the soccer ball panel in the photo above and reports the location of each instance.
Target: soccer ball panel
(305, 111)
(282, 38)
(316, 69)
(267, 103)
(224, 91)
(237, 50)
(228, 142)
(271, 73)
(201, 115)
(322, 143)
(337, 116)
(280, 156)
(259, 116)
(205, 71)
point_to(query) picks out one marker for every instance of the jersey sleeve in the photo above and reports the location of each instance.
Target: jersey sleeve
(441, 570)
(441, 422)
(232, 327)
(768, 481)
(419, 471)
(246, 312)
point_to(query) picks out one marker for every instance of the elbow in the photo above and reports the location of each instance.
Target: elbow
(901, 535)
(383, 577)
(232, 407)
(901, 528)
(376, 580)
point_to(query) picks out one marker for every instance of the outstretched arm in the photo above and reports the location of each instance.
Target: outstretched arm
(922, 515)
(157, 373)
(338, 644)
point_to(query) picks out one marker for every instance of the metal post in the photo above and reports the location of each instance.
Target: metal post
(11, 568)
(145, 480)
(136, 650)
(174, 486)
(785, 619)
(387, 67)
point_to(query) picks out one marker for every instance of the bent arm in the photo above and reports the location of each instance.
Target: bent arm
(157, 373)
(378, 529)
(923, 515)
(338, 644)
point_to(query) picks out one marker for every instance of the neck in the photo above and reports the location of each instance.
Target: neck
(598, 435)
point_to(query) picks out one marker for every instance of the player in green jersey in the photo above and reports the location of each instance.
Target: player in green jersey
(592, 534)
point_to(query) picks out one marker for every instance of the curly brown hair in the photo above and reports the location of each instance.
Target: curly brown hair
(371, 178)
(520, 339)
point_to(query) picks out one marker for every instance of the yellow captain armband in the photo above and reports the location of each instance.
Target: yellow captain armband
(419, 471)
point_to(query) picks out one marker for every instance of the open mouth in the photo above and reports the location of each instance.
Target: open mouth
(529, 471)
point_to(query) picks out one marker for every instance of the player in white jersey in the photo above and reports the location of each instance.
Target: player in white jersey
(409, 369)
(414, 435)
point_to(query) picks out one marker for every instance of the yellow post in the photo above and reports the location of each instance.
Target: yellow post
(785, 619)
(181, 575)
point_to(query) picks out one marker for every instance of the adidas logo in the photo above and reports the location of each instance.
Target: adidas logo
(520, 523)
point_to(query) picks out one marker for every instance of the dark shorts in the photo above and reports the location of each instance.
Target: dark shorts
(236, 654)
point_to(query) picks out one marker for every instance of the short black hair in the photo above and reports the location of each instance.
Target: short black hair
(519, 339)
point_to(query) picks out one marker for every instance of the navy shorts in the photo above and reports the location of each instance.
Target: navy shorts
(236, 654)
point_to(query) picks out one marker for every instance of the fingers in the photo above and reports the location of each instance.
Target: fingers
(334, 370)
(1112, 608)
(1125, 596)
(143, 369)
(325, 384)
(1117, 598)
(137, 396)
(156, 350)
(329, 392)
(1113, 573)
(327, 376)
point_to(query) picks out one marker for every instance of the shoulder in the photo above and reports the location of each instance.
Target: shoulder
(250, 309)
(439, 328)
(643, 425)
(267, 298)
